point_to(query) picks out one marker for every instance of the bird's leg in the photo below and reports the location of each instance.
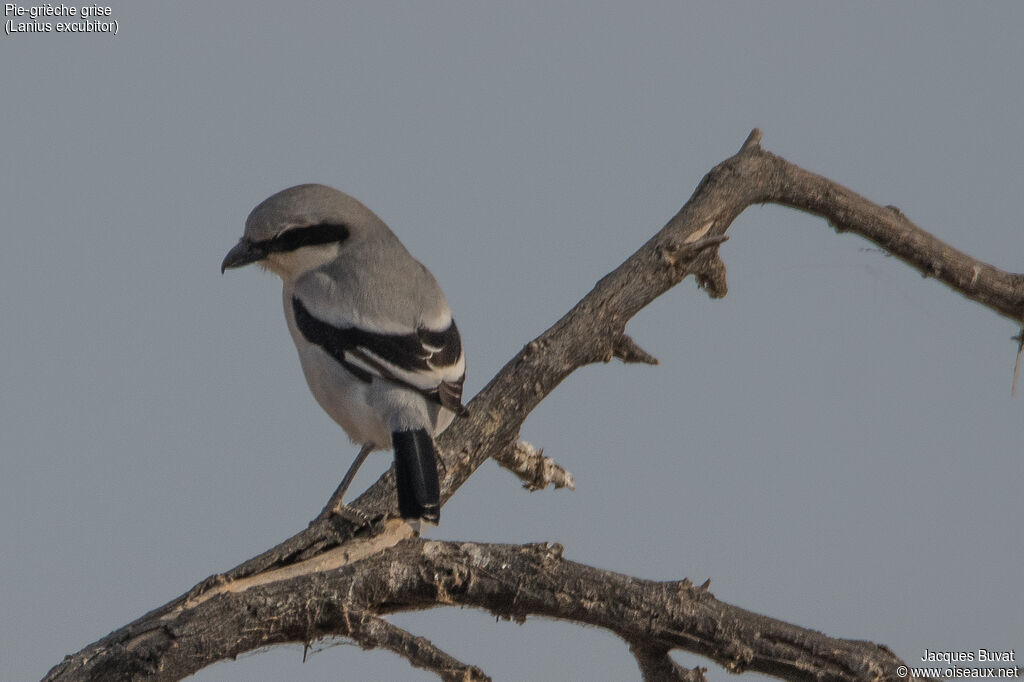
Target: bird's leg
(335, 505)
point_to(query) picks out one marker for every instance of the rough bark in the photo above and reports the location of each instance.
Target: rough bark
(341, 574)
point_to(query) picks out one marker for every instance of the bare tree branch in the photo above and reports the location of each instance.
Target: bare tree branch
(657, 666)
(372, 632)
(1016, 365)
(533, 468)
(510, 581)
(627, 350)
(278, 596)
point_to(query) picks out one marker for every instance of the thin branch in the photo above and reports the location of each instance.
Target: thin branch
(753, 141)
(1016, 365)
(533, 468)
(627, 350)
(372, 632)
(657, 666)
(889, 228)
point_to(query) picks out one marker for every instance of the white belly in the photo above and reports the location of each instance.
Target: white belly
(346, 399)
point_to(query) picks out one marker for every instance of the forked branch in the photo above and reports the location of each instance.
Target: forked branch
(309, 586)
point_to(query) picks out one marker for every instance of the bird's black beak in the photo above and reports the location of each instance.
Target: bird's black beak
(245, 252)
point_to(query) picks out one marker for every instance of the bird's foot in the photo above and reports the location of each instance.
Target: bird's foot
(351, 515)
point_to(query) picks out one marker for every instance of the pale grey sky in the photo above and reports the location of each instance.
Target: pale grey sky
(833, 444)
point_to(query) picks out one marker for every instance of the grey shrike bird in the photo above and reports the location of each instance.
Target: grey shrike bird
(376, 339)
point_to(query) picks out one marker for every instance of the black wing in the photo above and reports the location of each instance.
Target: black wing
(428, 362)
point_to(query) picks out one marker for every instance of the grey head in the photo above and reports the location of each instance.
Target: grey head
(302, 216)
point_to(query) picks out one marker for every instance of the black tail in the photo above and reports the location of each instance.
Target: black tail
(419, 495)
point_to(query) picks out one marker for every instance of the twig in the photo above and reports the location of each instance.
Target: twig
(372, 632)
(1016, 365)
(657, 666)
(533, 468)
